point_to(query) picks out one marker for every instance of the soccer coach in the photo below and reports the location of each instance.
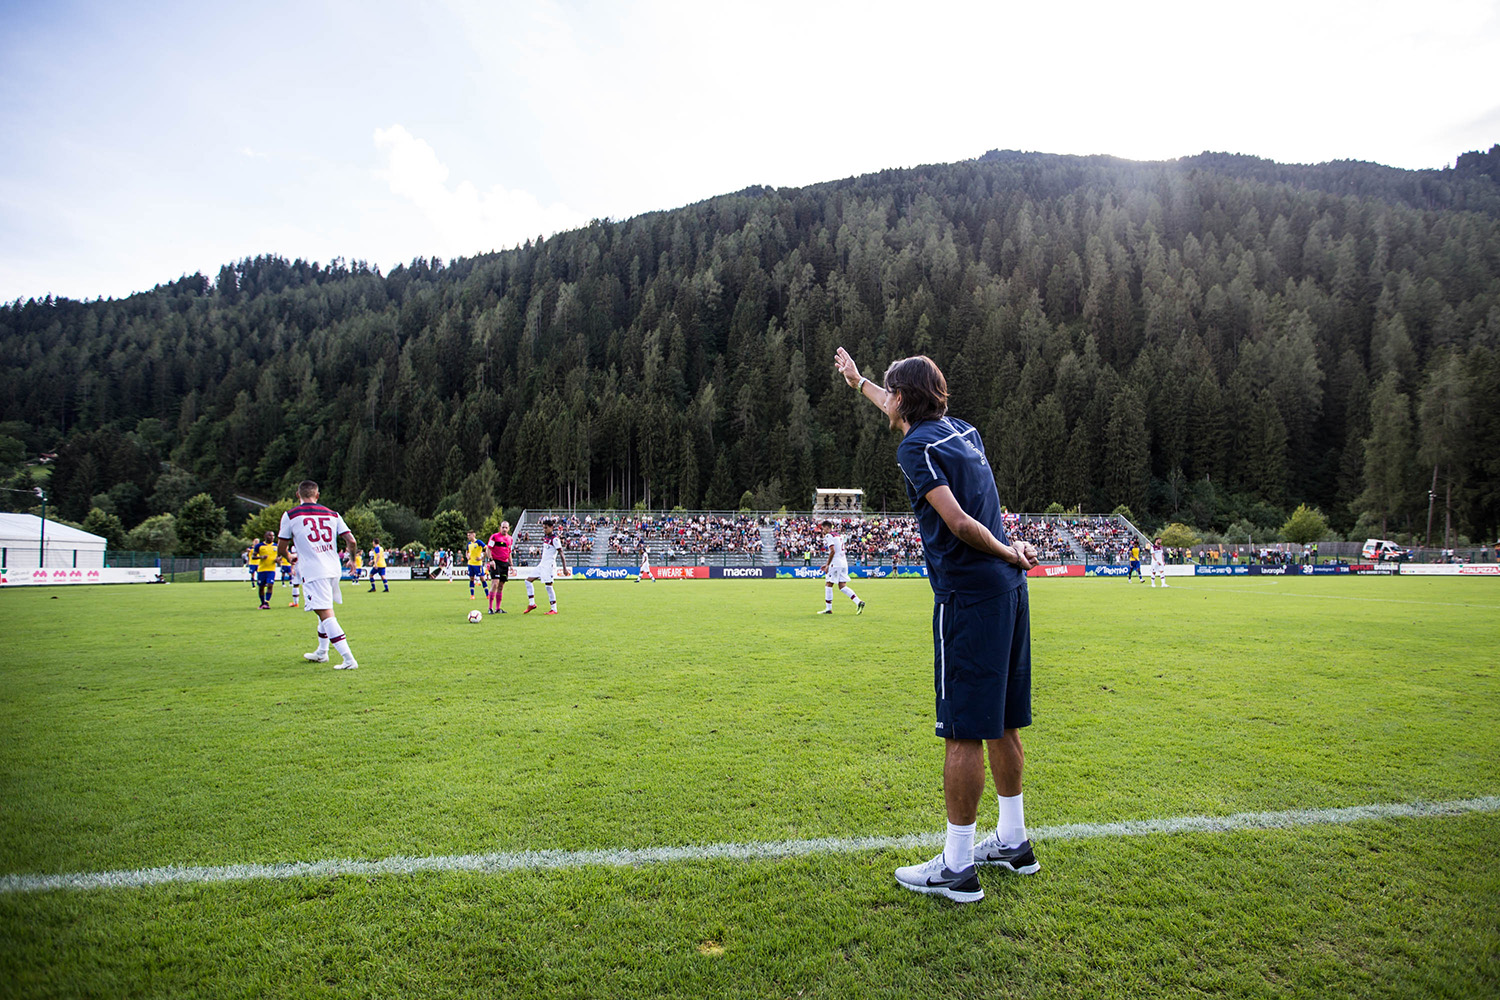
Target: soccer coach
(981, 627)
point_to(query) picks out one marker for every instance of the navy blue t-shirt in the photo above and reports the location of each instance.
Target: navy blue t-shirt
(948, 452)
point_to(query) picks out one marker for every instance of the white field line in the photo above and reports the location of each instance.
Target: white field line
(1258, 588)
(553, 859)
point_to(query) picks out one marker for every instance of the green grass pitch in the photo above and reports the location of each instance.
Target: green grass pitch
(147, 726)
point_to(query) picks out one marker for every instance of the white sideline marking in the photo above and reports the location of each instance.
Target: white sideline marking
(539, 860)
(1336, 597)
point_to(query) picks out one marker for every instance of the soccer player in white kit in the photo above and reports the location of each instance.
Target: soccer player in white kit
(646, 573)
(315, 530)
(296, 579)
(552, 548)
(836, 571)
(1158, 563)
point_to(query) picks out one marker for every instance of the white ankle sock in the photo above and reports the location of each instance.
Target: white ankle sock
(1012, 827)
(958, 853)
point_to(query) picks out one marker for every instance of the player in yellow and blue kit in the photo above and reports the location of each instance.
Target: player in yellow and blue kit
(265, 564)
(474, 556)
(377, 565)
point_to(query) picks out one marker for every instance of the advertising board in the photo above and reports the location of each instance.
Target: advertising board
(680, 572)
(1221, 570)
(1450, 569)
(1074, 569)
(606, 573)
(42, 577)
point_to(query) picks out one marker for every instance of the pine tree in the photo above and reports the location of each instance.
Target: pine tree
(1388, 453)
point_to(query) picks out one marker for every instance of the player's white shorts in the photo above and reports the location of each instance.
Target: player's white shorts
(321, 595)
(838, 574)
(542, 573)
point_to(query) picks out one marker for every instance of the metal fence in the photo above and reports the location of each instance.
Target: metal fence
(173, 568)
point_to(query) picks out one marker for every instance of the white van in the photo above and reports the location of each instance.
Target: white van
(1381, 550)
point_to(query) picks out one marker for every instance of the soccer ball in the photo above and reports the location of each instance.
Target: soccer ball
(475, 617)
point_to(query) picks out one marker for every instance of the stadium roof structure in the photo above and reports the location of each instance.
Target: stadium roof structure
(851, 501)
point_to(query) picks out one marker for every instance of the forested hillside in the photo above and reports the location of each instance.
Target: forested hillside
(1210, 340)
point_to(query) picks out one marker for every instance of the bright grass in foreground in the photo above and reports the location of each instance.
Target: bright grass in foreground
(151, 726)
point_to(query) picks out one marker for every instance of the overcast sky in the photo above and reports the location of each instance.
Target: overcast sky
(144, 141)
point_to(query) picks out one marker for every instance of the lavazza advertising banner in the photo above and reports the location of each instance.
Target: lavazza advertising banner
(1322, 569)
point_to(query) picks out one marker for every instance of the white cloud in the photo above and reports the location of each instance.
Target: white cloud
(461, 217)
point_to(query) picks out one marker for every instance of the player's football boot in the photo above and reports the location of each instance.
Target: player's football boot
(859, 608)
(1020, 859)
(346, 665)
(316, 657)
(826, 611)
(935, 879)
(292, 604)
(529, 609)
(551, 611)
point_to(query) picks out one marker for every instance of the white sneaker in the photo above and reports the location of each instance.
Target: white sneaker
(316, 657)
(346, 665)
(1020, 859)
(935, 878)
(1165, 585)
(826, 611)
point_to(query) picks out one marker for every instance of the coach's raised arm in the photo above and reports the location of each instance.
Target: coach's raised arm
(981, 623)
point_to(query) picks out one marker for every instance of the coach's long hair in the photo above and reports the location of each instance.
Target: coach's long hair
(924, 391)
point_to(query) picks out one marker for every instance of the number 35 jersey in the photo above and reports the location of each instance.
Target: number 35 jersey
(315, 531)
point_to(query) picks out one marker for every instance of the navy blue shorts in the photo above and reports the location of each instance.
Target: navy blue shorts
(267, 576)
(982, 665)
(476, 572)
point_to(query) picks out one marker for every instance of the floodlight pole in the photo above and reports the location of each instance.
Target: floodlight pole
(1431, 496)
(39, 492)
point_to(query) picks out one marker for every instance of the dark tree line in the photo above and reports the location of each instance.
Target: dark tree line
(1212, 339)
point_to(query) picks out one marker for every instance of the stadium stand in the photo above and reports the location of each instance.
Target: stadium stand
(721, 538)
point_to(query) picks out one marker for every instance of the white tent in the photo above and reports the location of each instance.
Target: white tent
(21, 544)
